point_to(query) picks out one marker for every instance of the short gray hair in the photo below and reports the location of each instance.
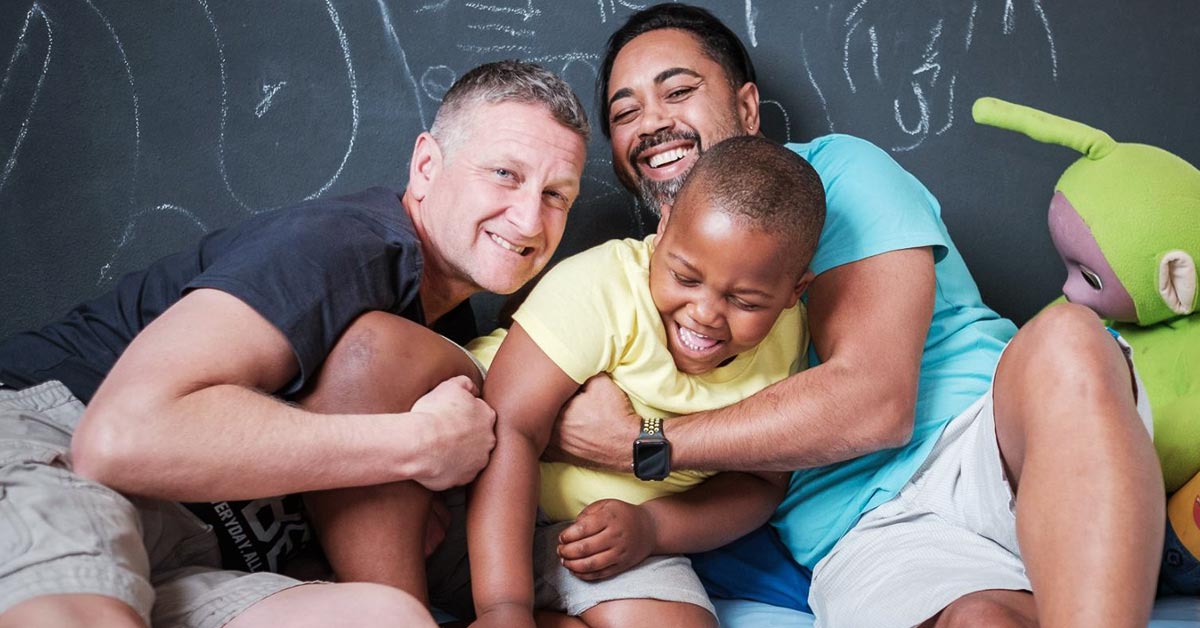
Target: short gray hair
(507, 81)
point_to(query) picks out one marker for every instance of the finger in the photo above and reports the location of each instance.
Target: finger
(598, 543)
(589, 568)
(466, 384)
(585, 525)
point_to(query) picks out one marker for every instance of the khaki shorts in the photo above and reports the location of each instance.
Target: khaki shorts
(63, 534)
(949, 532)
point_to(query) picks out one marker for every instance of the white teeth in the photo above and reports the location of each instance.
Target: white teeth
(669, 156)
(519, 250)
(686, 336)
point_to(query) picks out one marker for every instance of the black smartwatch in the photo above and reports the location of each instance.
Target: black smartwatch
(651, 452)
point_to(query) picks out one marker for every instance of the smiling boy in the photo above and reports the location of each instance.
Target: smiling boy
(699, 315)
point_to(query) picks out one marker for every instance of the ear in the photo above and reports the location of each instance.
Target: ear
(801, 286)
(665, 210)
(747, 108)
(1177, 282)
(424, 166)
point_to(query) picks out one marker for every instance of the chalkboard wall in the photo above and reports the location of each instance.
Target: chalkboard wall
(129, 128)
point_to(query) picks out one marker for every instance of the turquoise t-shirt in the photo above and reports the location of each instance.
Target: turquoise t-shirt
(875, 206)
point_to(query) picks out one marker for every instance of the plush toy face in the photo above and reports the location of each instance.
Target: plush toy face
(1090, 278)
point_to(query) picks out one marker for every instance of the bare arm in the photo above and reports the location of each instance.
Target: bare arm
(184, 415)
(868, 320)
(527, 390)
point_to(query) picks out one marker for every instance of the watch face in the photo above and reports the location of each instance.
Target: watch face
(651, 459)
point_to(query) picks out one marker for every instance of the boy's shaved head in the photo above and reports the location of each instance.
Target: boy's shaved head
(763, 183)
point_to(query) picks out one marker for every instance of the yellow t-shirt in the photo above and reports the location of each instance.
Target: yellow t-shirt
(592, 313)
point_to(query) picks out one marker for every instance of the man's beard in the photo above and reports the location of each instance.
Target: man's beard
(655, 194)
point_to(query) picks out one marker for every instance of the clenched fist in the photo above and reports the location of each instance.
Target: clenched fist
(458, 431)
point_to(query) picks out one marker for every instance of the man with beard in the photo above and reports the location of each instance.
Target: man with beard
(915, 443)
(295, 352)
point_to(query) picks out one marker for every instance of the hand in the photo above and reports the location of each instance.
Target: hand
(596, 428)
(437, 524)
(607, 538)
(504, 616)
(459, 431)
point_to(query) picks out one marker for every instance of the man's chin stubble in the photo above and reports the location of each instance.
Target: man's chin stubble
(654, 194)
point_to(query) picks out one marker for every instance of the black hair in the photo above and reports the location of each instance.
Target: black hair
(716, 40)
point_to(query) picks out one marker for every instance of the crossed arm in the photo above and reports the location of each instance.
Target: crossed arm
(186, 415)
(868, 320)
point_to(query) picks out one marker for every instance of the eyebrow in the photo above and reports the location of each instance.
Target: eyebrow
(626, 92)
(737, 291)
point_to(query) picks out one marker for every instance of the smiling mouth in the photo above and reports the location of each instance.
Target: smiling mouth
(505, 244)
(694, 341)
(669, 157)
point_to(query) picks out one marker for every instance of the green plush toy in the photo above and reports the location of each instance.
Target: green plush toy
(1126, 220)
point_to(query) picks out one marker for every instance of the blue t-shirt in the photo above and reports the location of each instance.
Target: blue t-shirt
(875, 206)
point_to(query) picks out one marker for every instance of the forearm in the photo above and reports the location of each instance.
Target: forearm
(228, 442)
(715, 513)
(500, 523)
(816, 417)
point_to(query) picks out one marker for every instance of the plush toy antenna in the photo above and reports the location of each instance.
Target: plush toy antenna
(1043, 127)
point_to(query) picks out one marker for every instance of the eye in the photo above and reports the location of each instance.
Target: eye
(684, 281)
(558, 199)
(745, 306)
(504, 173)
(624, 115)
(1091, 278)
(681, 92)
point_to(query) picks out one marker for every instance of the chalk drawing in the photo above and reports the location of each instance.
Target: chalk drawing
(813, 82)
(506, 48)
(971, 25)
(1037, 6)
(269, 92)
(846, 55)
(751, 20)
(874, 53)
(436, 6)
(1009, 20)
(525, 13)
(130, 232)
(436, 81)
(508, 30)
(333, 16)
(787, 120)
(395, 38)
(37, 90)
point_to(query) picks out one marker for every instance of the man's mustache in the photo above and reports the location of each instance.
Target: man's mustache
(662, 137)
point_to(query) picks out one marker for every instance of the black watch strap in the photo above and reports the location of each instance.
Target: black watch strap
(651, 451)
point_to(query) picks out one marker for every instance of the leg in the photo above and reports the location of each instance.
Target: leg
(71, 611)
(550, 619)
(320, 605)
(1001, 609)
(1079, 460)
(383, 363)
(635, 612)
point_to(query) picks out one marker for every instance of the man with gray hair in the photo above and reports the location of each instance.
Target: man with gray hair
(144, 436)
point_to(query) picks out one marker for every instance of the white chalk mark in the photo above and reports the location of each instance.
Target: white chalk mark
(603, 11)
(345, 44)
(846, 56)
(387, 22)
(436, 6)
(430, 85)
(874, 53)
(562, 71)
(508, 30)
(751, 19)
(1009, 23)
(787, 120)
(950, 114)
(971, 24)
(11, 162)
(853, 12)
(813, 81)
(269, 92)
(631, 5)
(922, 127)
(130, 231)
(1037, 5)
(137, 119)
(930, 58)
(490, 49)
(584, 57)
(526, 13)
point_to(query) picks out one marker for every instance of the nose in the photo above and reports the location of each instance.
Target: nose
(655, 119)
(705, 312)
(525, 212)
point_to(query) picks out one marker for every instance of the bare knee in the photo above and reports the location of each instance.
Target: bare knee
(65, 611)
(647, 612)
(1010, 610)
(384, 363)
(349, 604)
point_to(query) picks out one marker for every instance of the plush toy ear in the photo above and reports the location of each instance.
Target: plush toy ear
(1177, 282)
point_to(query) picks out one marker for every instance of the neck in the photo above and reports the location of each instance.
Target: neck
(441, 289)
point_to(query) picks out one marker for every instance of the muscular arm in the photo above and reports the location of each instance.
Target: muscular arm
(527, 390)
(185, 415)
(868, 320)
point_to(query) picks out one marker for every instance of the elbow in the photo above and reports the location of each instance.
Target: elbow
(896, 430)
(101, 450)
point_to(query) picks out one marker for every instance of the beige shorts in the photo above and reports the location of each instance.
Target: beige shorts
(950, 531)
